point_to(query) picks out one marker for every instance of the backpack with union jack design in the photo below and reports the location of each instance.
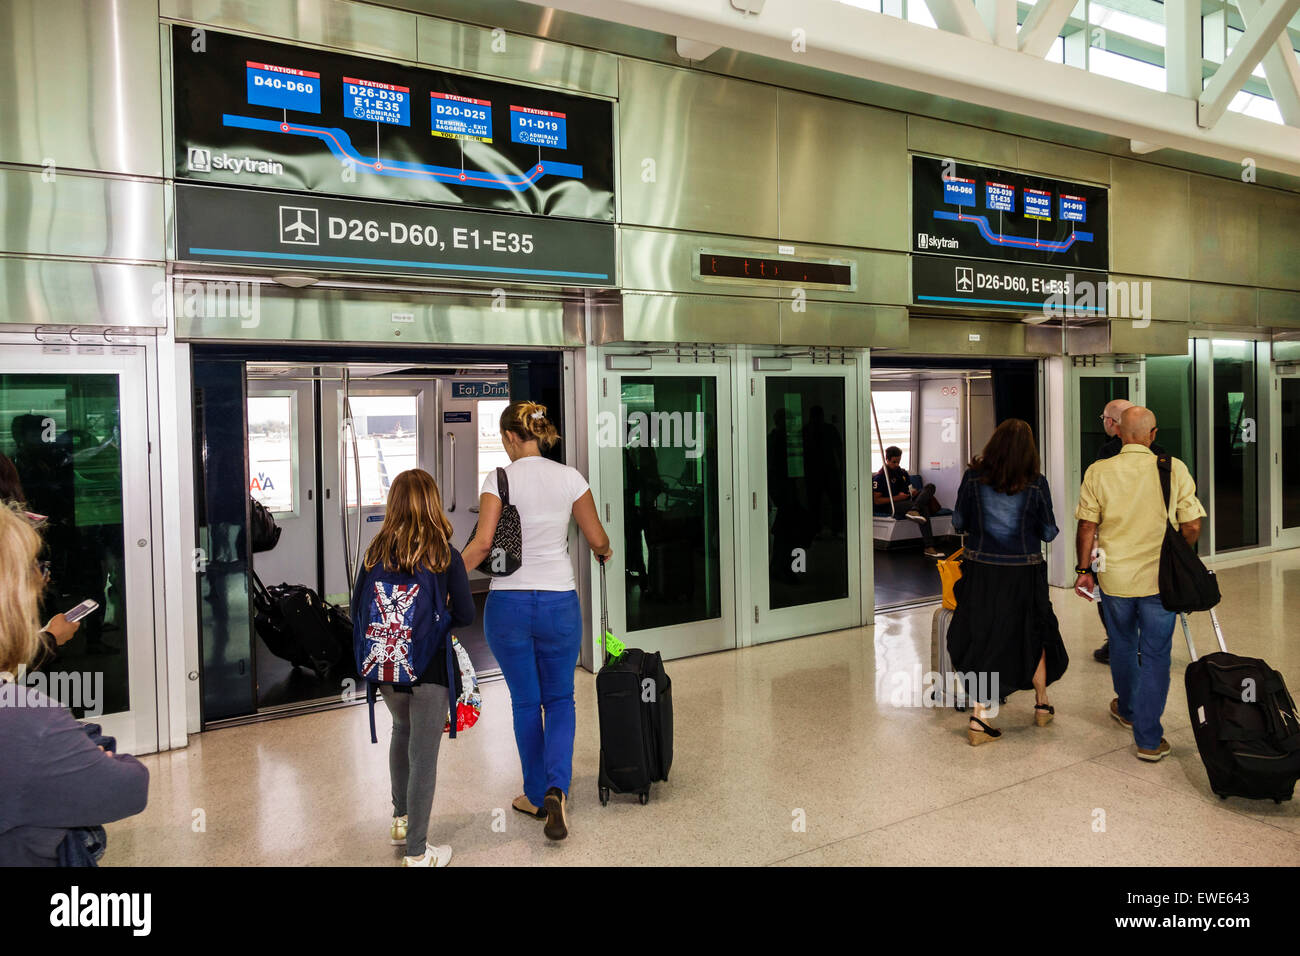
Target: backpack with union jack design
(401, 621)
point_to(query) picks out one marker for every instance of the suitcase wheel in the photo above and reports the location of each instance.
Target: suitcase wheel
(604, 796)
(645, 798)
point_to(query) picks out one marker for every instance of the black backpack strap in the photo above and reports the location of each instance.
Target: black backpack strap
(1165, 467)
(370, 702)
(503, 488)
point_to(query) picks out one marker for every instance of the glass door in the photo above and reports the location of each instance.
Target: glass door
(803, 502)
(75, 429)
(383, 431)
(1094, 387)
(282, 474)
(1234, 445)
(664, 440)
(1286, 455)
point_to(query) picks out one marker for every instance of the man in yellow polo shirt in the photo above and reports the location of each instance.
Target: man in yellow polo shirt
(1122, 519)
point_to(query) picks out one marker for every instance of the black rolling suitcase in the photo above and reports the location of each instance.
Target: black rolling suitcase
(299, 627)
(1245, 723)
(634, 698)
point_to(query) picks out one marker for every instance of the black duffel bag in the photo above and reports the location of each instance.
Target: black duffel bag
(1186, 584)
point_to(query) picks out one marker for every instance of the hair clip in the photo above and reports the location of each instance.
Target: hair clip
(535, 415)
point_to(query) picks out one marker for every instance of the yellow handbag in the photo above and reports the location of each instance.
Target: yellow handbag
(950, 574)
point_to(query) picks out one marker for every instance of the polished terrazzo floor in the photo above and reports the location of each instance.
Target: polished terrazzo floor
(799, 752)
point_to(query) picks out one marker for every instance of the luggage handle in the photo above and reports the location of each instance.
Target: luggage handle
(1187, 633)
(604, 611)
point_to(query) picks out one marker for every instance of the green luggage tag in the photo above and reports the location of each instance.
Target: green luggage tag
(614, 648)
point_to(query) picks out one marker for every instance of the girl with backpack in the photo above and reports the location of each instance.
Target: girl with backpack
(411, 590)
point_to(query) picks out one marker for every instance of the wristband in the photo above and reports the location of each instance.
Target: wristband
(1083, 571)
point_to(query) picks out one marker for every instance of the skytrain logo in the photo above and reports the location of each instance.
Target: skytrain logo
(202, 160)
(926, 241)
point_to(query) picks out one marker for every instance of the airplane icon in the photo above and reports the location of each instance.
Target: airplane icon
(965, 279)
(295, 230)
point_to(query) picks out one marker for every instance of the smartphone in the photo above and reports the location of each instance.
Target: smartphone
(1090, 595)
(81, 610)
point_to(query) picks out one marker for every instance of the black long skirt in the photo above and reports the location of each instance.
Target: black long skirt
(1003, 624)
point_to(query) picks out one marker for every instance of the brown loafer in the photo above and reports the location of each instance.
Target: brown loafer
(523, 805)
(1114, 712)
(1158, 754)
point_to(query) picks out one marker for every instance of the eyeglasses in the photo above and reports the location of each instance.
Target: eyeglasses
(43, 569)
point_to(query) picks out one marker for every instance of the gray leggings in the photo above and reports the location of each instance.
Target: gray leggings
(418, 719)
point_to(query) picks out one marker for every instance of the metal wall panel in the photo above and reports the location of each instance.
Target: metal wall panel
(662, 261)
(1224, 234)
(1279, 310)
(333, 23)
(951, 140)
(90, 216)
(697, 151)
(1150, 220)
(927, 336)
(1169, 300)
(1062, 162)
(1158, 338)
(459, 46)
(824, 142)
(333, 316)
(1279, 240)
(691, 318)
(1223, 305)
(69, 293)
(847, 325)
(81, 85)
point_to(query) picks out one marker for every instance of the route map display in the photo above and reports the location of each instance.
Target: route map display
(253, 113)
(980, 213)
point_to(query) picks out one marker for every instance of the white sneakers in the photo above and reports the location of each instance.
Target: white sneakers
(433, 856)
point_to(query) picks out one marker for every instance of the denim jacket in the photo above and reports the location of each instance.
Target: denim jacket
(1004, 529)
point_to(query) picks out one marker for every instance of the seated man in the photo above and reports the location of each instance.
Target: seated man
(891, 487)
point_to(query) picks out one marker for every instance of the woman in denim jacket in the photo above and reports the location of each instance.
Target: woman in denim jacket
(1004, 635)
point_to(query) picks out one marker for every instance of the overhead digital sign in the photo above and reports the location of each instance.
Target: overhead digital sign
(976, 212)
(256, 227)
(251, 112)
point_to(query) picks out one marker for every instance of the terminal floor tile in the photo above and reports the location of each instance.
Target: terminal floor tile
(807, 751)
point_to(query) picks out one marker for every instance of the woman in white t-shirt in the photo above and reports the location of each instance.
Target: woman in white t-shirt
(533, 620)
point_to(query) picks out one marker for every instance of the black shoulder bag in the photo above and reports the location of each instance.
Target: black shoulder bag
(265, 532)
(506, 555)
(1186, 584)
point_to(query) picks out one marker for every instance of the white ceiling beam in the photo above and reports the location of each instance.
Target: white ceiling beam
(1183, 47)
(1043, 25)
(1245, 56)
(959, 17)
(1281, 67)
(999, 17)
(884, 49)
(1141, 148)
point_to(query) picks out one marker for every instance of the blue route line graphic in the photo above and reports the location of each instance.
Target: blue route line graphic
(340, 144)
(404, 263)
(966, 301)
(1045, 245)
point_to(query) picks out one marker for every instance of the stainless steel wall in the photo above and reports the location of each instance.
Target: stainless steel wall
(704, 159)
(82, 225)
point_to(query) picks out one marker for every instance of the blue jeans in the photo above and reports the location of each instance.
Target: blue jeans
(535, 637)
(1140, 624)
